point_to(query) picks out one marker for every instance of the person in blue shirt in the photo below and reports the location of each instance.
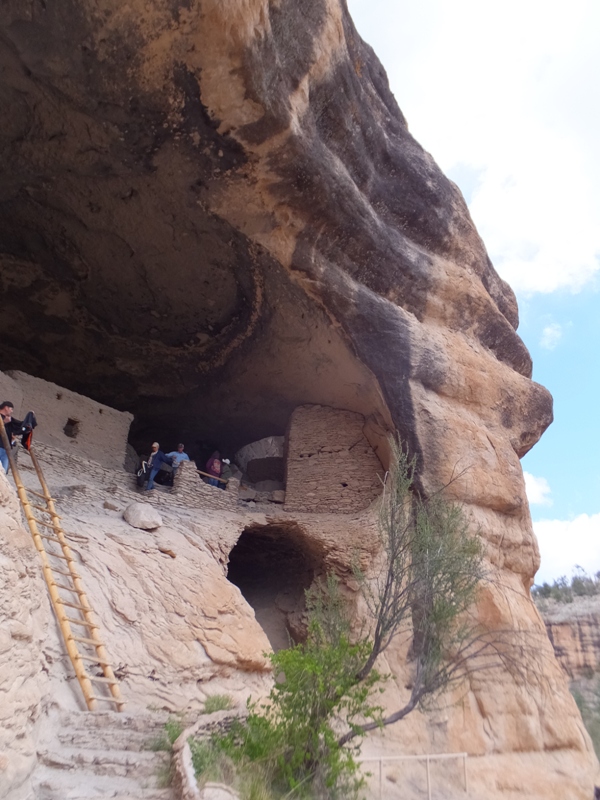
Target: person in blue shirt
(177, 456)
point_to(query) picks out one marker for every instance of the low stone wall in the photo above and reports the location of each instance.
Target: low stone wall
(184, 779)
(331, 467)
(188, 486)
(68, 420)
(189, 491)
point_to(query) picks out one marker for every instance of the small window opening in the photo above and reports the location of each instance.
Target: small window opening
(59, 395)
(71, 429)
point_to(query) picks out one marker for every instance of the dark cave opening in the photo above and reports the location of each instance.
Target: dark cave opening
(273, 565)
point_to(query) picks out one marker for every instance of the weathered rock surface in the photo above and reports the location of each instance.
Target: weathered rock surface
(574, 630)
(24, 618)
(315, 245)
(91, 756)
(142, 515)
(212, 213)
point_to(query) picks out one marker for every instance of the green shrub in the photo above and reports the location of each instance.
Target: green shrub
(290, 744)
(212, 763)
(174, 728)
(166, 738)
(303, 741)
(589, 706)
(217, 702)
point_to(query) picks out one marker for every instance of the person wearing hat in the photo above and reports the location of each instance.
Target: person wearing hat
(226, 472)
(177, 456)
(157, 458)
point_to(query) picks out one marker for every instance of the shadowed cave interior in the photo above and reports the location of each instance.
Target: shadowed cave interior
(272, 566)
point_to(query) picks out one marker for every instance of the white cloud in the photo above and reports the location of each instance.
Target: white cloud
(509, 91)
(538, 490)
(567, 543)
(551, 336)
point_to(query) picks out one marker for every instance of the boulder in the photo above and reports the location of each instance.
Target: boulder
(267, 448)
(142, 515)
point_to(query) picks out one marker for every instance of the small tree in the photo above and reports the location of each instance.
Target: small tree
(295, 732)
(431, 569)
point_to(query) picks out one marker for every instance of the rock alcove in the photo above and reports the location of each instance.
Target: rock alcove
(212, 214)
(273, 565)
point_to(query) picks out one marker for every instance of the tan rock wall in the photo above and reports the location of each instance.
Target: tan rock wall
(574, 630)
(331, 467)
(577, 645)
(172, 622)
(101, 432)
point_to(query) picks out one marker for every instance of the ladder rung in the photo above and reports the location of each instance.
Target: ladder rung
(50, 538)
(65, 572)
(67, 588)
(45, 524)
(73, 536)
(55, 555)
(112, 681)
(87, 641)
(40, 508)
(81, 622)
(45, 510)
(94, 660)
(108, 700)
(37, 494)
(73, 605)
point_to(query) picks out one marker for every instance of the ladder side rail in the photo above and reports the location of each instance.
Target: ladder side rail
(73, 652)
(86, 610)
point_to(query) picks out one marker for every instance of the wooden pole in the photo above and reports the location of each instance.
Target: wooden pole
(208, 475)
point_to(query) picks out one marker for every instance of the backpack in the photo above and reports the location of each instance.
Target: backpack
(142, 474)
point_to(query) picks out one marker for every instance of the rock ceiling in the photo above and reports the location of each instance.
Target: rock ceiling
(211, 212)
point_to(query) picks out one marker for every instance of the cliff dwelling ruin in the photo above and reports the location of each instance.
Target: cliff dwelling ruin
(217, 229)
(273, 565)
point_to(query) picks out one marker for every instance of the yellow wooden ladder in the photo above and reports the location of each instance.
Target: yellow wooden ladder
(74, 609)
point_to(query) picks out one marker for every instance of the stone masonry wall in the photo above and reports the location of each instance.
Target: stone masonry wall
(100, 432)
(331, 467)
(189, 487)
(189, 491)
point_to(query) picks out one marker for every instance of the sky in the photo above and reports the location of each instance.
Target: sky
(506, 97)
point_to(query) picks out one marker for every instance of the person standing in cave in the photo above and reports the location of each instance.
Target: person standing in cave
(156, 460)
(213, 467)
(177, 456)
(226, 472)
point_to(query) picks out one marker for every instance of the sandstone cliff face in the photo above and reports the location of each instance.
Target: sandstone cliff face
(212, 213)
(574, 630)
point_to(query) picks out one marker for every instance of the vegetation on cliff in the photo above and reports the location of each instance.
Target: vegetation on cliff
(564, 590)
(304, 740)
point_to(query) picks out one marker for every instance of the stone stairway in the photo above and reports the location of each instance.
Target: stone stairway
(96, 756)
